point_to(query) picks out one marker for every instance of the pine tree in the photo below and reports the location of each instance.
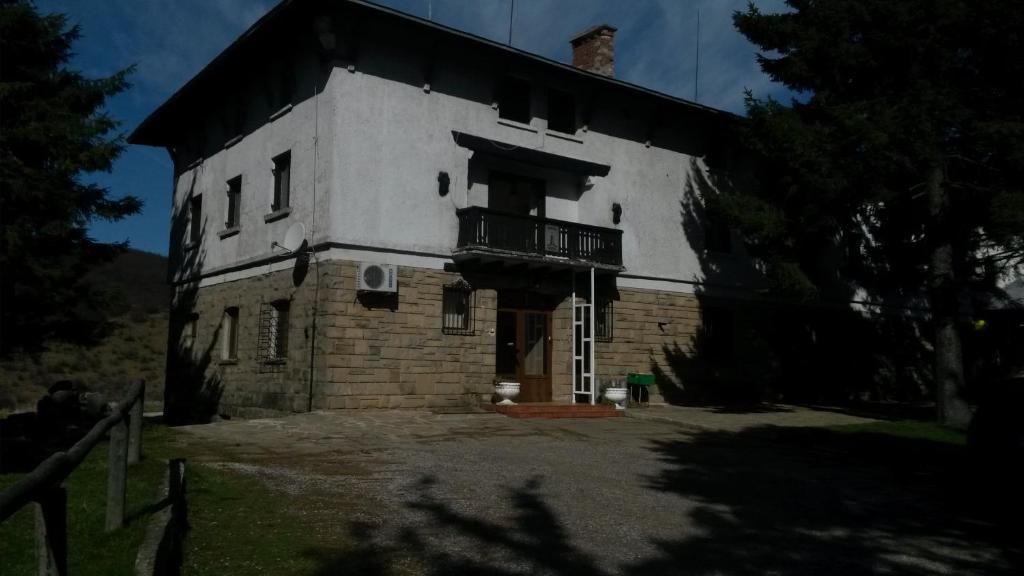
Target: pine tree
(898, 167)
(53, 130)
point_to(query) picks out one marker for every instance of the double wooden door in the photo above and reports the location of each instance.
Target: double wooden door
(523, 352)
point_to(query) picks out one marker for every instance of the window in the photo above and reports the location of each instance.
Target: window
(516, 194)
(234, 202)
(514, 100)
(717, 334)
(189, 332)
(282, 181)
(229, 334)
(457, 309)
(195, 217)
(561, 112)
(718, 237)
(273, 339)
(603, 321)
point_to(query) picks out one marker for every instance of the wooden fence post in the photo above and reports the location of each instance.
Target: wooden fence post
(135, 426)
(117, 474)
(51, 511)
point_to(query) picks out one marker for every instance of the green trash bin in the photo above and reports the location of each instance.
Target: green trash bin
(640, 381)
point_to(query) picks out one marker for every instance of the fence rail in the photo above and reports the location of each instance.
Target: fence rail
(43, 484)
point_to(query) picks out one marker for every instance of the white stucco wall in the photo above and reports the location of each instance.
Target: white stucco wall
(383, 140)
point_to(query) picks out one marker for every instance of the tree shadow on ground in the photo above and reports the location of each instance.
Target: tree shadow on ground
(783, 501)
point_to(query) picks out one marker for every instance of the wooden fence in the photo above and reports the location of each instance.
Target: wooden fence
(43, 486)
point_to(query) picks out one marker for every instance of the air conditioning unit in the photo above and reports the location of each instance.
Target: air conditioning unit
(377, 277)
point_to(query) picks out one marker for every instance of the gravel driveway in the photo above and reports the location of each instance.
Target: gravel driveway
(486, 494)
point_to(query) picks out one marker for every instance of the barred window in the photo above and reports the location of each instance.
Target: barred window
(603, 320)
(717, 332)
(457, 309)
(273, 339)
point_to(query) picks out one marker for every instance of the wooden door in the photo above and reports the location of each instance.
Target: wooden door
(523, 351)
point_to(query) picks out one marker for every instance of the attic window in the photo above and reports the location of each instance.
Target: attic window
(561, 112)
(514, 100)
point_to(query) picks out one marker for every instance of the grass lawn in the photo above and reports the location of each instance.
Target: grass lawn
(908, 429)
(237, 525)
(90, 549)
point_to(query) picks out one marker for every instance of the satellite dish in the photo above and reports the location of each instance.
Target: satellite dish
(294, 237)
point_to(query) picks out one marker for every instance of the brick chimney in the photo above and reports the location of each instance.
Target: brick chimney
(594, 49)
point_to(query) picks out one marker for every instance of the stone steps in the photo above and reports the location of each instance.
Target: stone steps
(549, 410)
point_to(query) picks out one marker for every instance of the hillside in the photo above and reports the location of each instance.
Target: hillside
(134, 348)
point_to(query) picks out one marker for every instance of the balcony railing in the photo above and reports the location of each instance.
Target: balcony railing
(481, 229)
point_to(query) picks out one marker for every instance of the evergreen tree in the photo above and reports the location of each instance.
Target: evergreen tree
(53, 130)
(898, 168)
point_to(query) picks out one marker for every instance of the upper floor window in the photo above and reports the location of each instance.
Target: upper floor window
(195, 218)
(234, 202)
(516, 194)
(282, 181)
(561, 112)
(514, 100)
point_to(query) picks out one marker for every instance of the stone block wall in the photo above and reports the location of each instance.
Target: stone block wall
(385, 351)
(392, 353)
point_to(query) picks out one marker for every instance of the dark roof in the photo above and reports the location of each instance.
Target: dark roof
(148, 132)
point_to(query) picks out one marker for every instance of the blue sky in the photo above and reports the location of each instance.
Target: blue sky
(171, 40)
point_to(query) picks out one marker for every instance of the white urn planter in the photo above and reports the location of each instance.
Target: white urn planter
(507, 390)
(617, 395)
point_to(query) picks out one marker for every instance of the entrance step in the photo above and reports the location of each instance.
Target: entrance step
(548, 410)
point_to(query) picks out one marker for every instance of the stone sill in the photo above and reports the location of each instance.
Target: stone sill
(564, 136)
(517, 125)
(234, 140)
(275, 362)
(228, 232)
(277, 214)
(229, 362)
(284, 110)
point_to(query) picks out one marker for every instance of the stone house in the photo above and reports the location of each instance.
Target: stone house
(374, 210)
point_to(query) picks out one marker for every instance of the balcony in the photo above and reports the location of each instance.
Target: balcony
(488, 233)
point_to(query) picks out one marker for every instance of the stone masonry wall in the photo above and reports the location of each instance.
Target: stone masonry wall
(393, 354)
(381, 351)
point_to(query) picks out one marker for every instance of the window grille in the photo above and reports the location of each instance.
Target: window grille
(457, 309)
(273, 334)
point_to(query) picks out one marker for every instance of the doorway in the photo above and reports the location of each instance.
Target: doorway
(523, 351)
